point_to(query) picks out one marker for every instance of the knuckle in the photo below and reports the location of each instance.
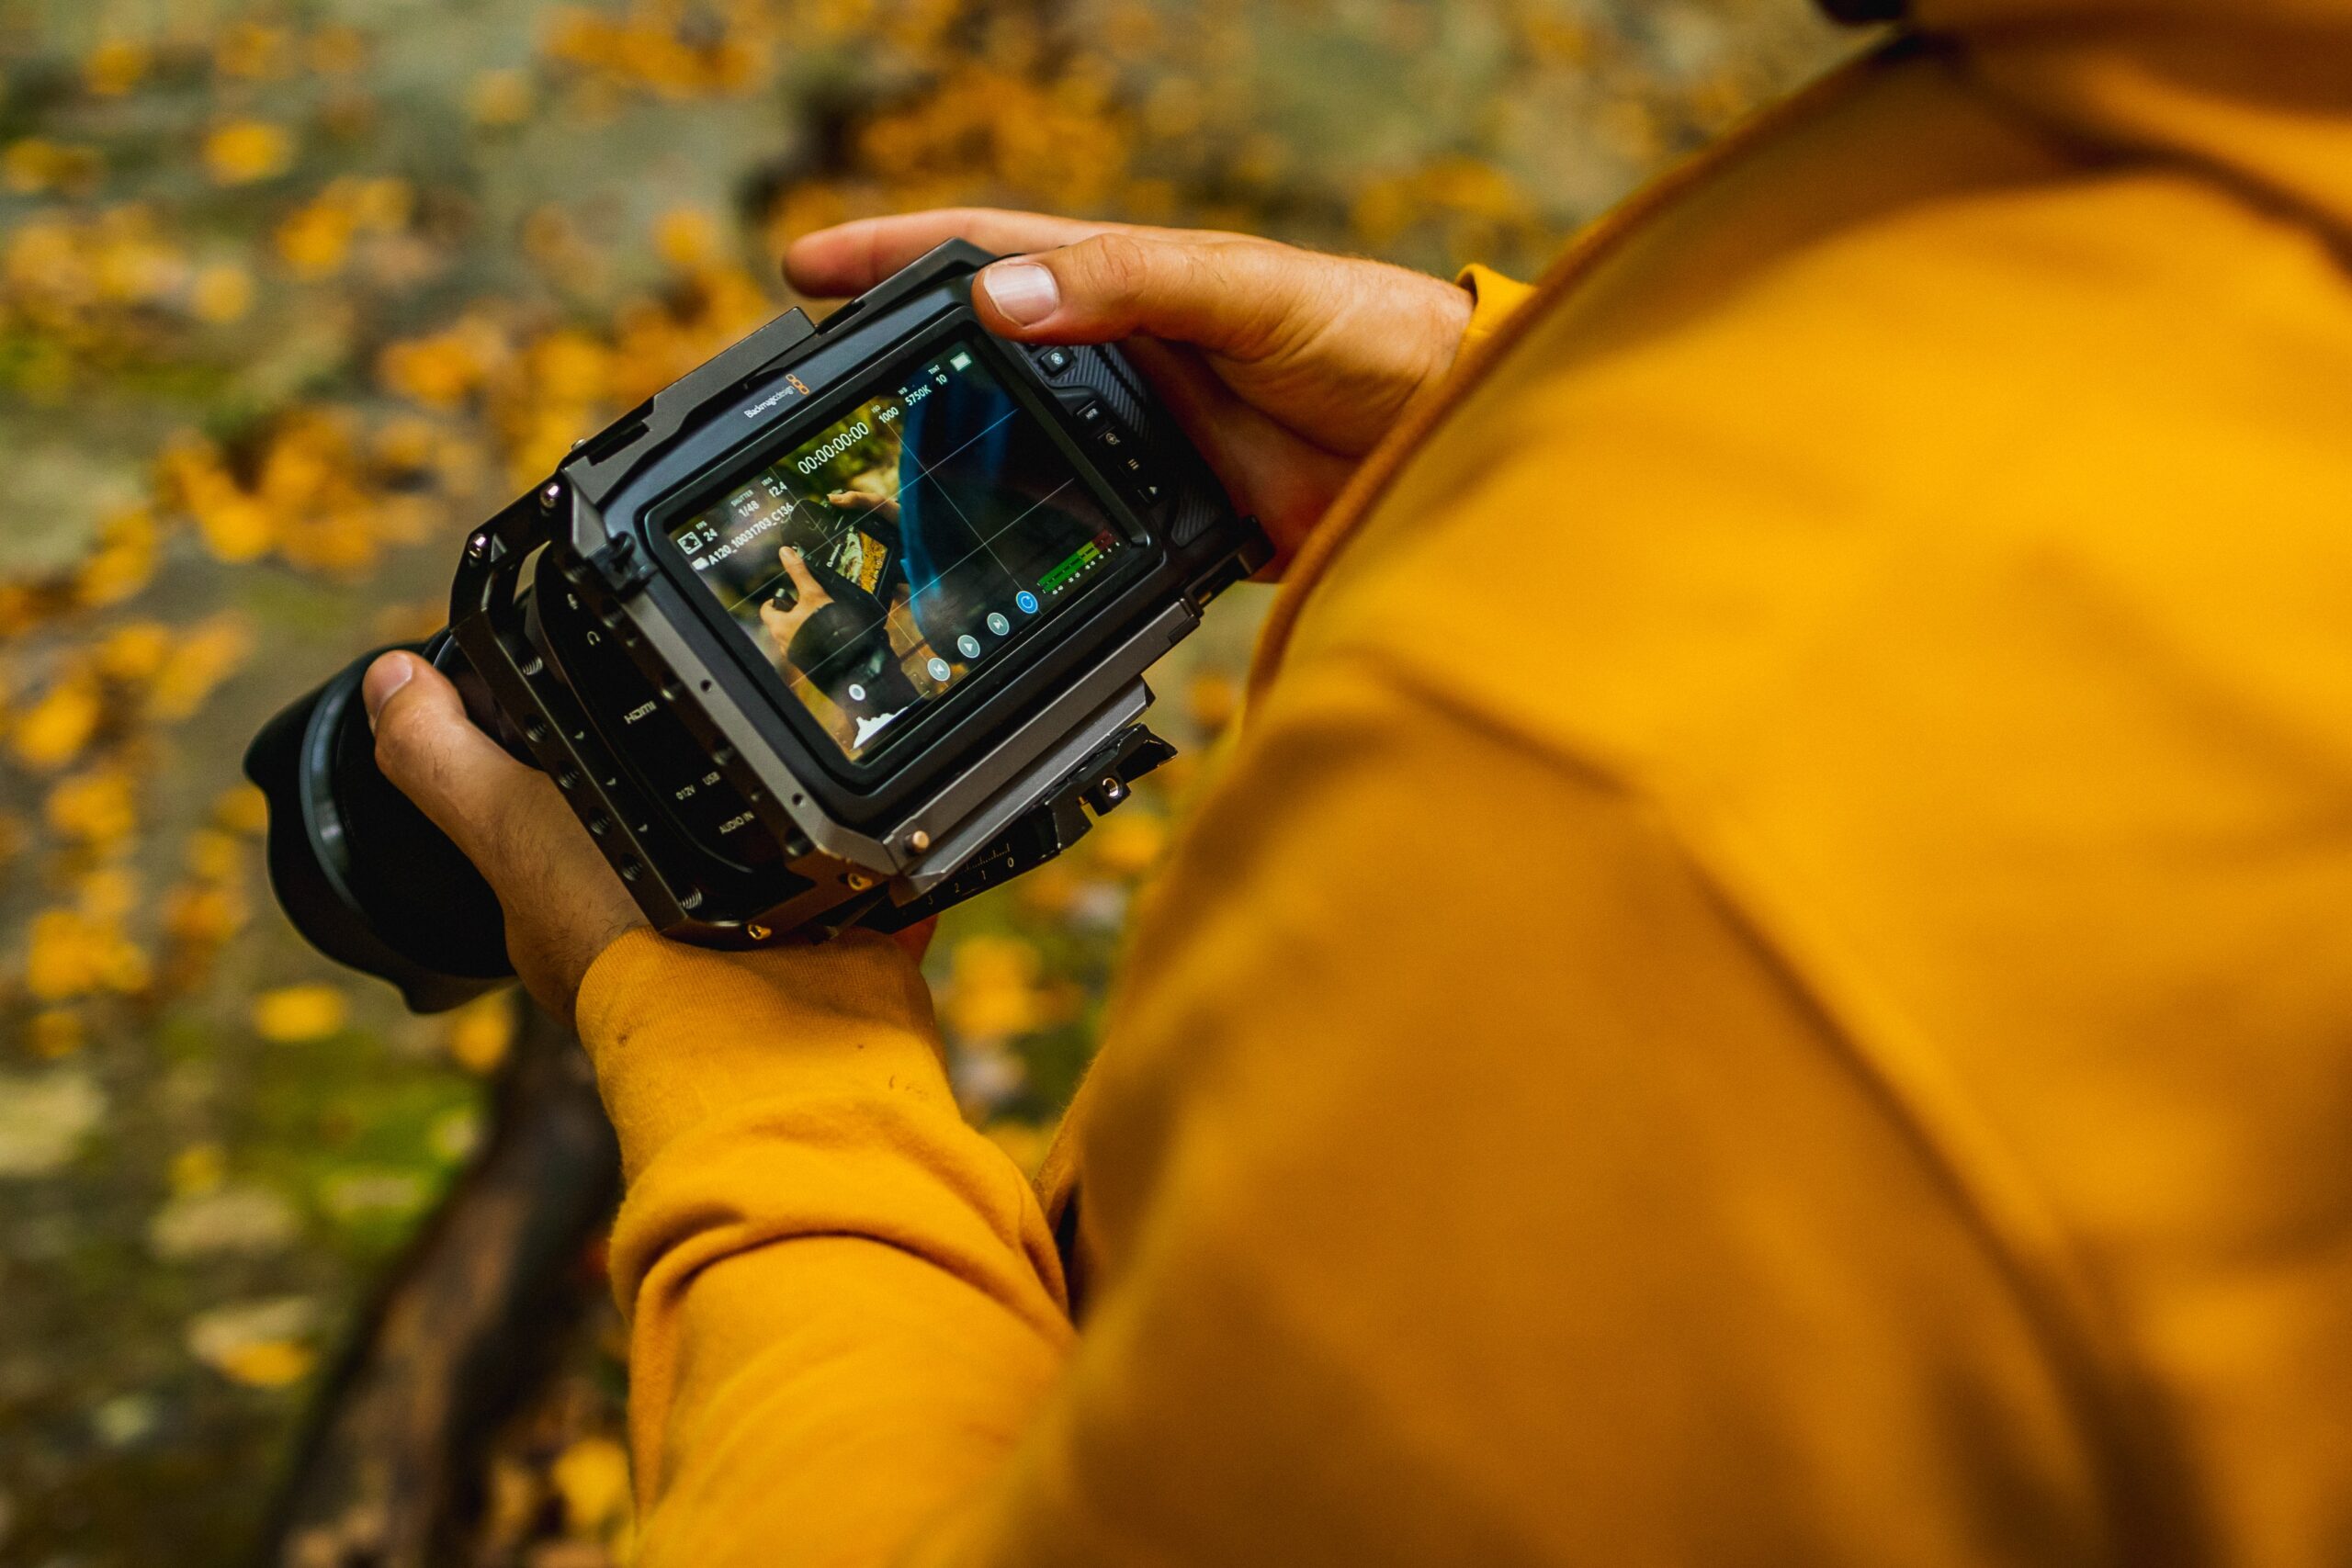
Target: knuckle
(1117, 266)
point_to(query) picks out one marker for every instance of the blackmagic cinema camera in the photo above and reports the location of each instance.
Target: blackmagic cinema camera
(841, 628)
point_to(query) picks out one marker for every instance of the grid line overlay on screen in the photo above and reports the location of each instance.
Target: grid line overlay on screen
(923, 471)
(901, 627)
(985, 545)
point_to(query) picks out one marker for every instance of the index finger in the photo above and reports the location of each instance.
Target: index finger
(795, 567)
(850, 258)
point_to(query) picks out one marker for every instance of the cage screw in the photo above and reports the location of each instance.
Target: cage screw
(758, 932)
(858, 880)
(478, 546)
(549, 496)
(918, 840)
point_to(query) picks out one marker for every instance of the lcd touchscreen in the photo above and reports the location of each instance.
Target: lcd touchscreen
(888, 556)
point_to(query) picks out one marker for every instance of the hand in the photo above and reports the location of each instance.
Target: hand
(1285, 367)
(563, 904)
(784, 624)
(883, 507)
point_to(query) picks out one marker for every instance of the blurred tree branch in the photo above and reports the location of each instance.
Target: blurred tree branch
(464, 1327)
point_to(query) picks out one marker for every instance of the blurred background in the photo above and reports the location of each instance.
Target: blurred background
(292, 294)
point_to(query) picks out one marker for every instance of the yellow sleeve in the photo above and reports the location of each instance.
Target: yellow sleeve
(1466, 1183)
(1493, 296)
(843, 1303)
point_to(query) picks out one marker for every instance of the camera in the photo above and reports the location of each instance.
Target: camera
(843, 626)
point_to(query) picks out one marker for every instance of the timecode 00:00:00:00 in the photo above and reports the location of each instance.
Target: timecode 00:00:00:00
(820, 455)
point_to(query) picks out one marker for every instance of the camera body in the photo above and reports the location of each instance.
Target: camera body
(841, 627)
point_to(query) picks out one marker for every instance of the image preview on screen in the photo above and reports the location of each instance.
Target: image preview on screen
(886, 555)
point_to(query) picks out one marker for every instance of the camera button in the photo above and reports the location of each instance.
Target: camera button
(1091, 415)
(1053, 361)
(1112, 439)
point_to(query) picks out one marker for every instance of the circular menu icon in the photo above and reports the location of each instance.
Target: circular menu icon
(938, 668)
(856, 693)
(1028, 601)
(968, 646)
(998, 624)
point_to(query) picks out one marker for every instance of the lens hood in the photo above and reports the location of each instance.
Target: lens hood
(363, 874)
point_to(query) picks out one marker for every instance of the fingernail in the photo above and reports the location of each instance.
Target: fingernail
(384, 677)
(1022, 290)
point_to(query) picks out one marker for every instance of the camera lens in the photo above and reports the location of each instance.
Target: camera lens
(363, 874)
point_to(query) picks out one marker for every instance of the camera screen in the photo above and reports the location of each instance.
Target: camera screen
(891, 554)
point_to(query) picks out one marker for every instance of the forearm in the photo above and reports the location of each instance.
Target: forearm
(842, 1300)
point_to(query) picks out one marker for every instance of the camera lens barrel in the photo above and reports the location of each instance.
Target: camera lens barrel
(363, 874)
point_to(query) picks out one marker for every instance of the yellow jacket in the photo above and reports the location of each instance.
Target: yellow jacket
(1770, 979)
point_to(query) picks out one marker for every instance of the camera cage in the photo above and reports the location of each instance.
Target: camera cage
(1008, 768)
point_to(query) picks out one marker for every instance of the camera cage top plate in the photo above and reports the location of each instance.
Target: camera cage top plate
(977, 782)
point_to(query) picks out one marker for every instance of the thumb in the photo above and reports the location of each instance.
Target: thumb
(432, 753)
(1240, 298)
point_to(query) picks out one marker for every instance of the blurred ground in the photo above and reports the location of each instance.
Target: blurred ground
(292, 294)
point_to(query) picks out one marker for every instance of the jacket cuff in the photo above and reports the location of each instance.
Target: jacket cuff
(1493, 296)
(684, 1036)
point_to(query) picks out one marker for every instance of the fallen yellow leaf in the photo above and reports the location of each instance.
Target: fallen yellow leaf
(242, 151)
(52, 732)
(499, 98)
(123, 561)
(254, 51)
(71, 953)
(207, 654)
(55, 1032)
(480, 1032)
(221, 292)
(314, 239)
(1130, 843)
(292, 1014)
(115, 67)
(134, 652)
(272, 1363)
(98, 807)
(593, 1477)
(199, 1167)
(242, 809)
